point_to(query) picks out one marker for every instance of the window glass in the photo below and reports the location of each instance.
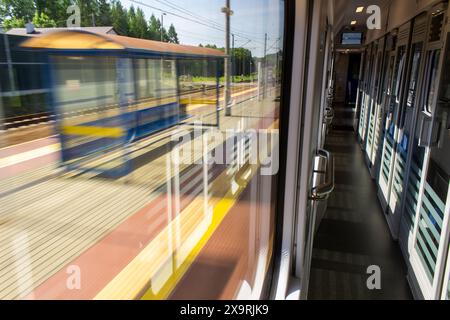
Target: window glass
(433, 65)
(412, 84)
(414, 75)
(154, 179)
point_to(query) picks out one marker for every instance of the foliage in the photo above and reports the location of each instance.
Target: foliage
(140, 25)
(119, 17)
(16, 10)
(172, 34)
(154, 29)
(104, 13)
(13, 23)
(243, 63)
(54, 9)
(43, 21)
(53, 13)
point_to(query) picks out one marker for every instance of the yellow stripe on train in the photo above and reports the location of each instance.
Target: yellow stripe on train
(102, 132)
(198, 101)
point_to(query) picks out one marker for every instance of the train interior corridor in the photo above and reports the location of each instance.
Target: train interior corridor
(353, 233)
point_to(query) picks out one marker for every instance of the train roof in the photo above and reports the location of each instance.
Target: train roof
(80, 40)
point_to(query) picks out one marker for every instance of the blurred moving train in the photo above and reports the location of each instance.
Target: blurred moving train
(126, 88)
(315, 229)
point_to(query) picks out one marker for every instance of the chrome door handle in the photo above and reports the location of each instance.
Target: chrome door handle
(328, 116)
(323, 191)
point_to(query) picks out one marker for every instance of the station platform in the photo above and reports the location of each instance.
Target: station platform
(131, 237)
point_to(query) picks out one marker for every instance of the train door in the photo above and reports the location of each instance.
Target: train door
(366, 95)
(431, 233)
(406, 118)
(305, 125)
(374, 109)
(360, 93)
(326, 111)
(361, 107)
(369, 96)
(316, 165)
(382, 101)
(407, 175)
(391, 128)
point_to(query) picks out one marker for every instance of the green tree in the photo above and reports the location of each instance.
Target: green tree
(89, 10)
(165, 35)
(172, 34)
(119, 17)
(43, 21)
(56, 10)
(212, 46)
(104, 13)
(154, 28)
(16, 10)
(132, 27)
(140, 25)
(242, 58)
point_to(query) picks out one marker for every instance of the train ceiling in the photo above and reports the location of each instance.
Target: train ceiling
(345, 11)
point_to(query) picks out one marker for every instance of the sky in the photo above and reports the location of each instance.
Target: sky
(201, 21)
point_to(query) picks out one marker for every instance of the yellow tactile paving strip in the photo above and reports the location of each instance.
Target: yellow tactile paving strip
(132, 282)
(163, 263)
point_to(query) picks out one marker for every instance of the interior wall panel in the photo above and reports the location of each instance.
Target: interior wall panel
(395, 13)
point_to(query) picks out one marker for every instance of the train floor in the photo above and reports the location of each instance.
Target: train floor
(354, 234)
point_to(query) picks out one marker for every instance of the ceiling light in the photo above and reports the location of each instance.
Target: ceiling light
(353, 22)
(359, 9)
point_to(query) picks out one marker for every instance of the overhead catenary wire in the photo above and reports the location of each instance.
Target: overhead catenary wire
(191, 20)
(274, 44)
(196, 15)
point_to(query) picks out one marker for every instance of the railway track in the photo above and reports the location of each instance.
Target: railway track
(36, 126)
(27, 120)
(44, 117)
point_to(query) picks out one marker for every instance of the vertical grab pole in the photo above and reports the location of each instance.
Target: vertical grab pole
(217, 94)
(178, 93)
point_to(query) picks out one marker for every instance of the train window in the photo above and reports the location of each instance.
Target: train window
(144, 82)
(6, 79)
(2, 52)
(400, 71)
(378, 78)
(417, 49)
(412, 85)
(445, 82)
(158, 177)
(431, 76)
(448, 290)
(84, 82)
(197, 80)
(387, 77)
